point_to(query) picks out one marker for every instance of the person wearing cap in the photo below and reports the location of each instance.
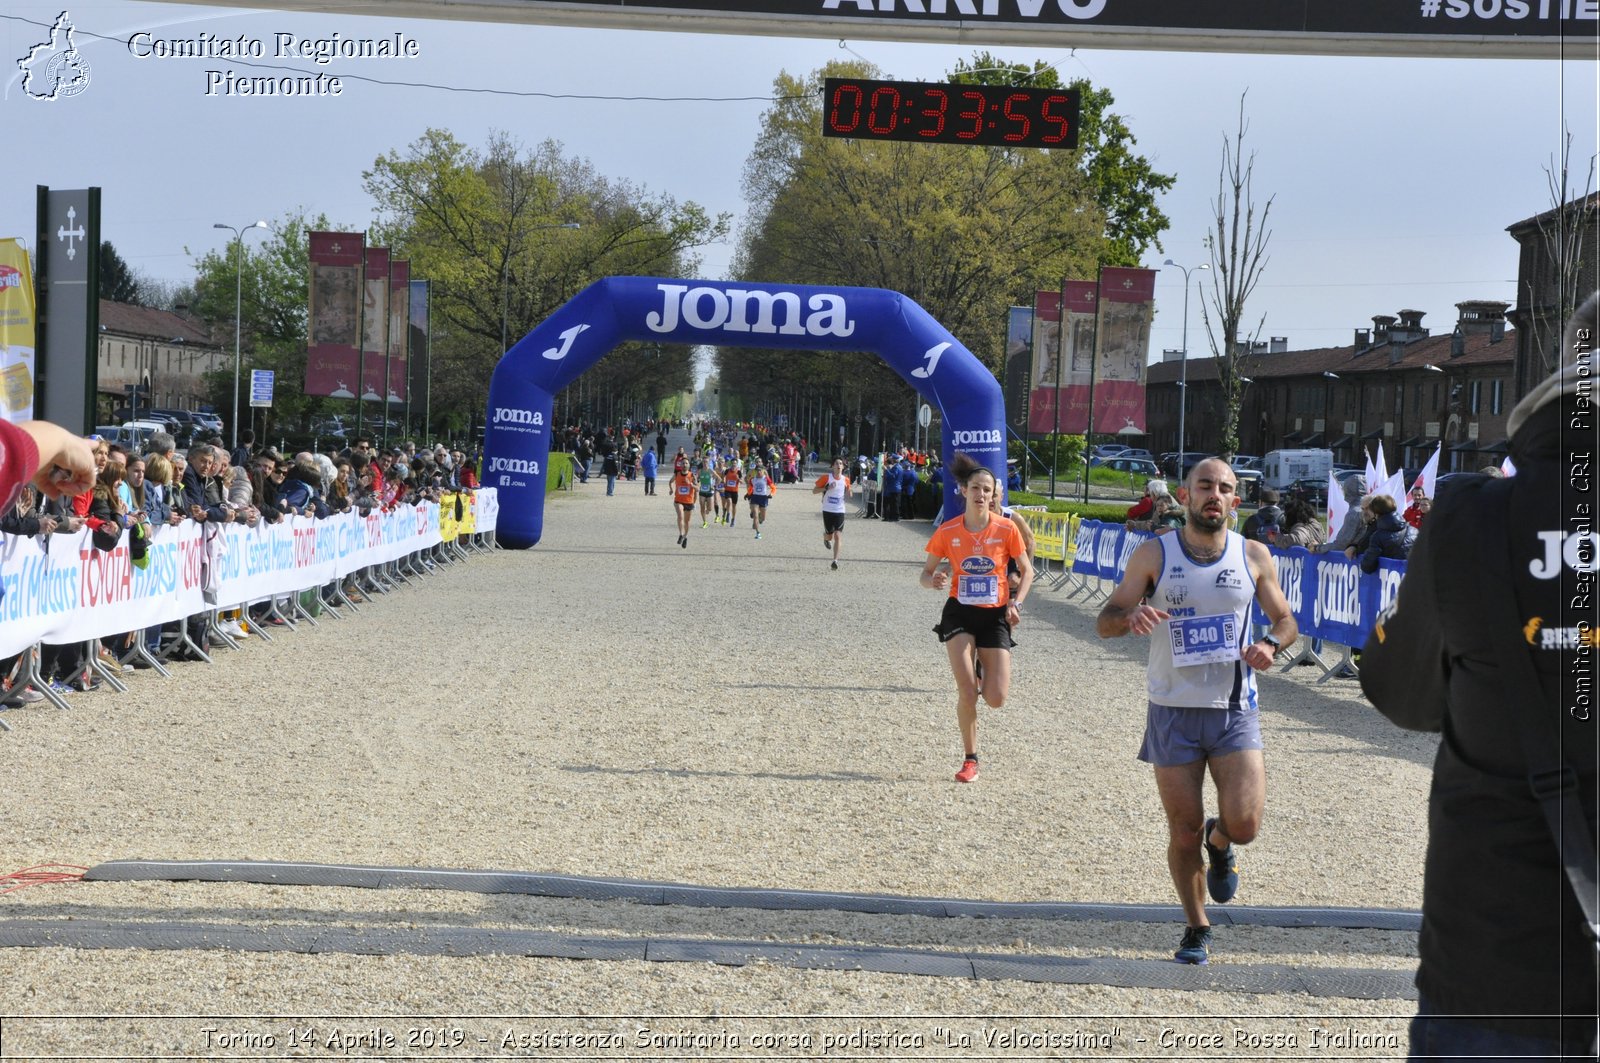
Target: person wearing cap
(889, 497)
(1491, 642)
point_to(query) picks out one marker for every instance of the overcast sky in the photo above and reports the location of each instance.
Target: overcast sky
(1394, 178)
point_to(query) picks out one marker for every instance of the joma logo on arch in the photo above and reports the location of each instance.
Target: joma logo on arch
(512, 415)
(741, 310)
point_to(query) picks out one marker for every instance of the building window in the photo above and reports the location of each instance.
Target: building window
(1475, 399)
(1350, 401)
(1399, 398)
(1416, 398)
(1436, 396)
(1496, 394)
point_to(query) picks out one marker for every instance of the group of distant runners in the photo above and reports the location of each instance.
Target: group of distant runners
(712, 481)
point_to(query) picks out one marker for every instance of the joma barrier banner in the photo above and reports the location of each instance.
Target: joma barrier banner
(1329, 595)
(61, 589)
(485, 509)
(724, 313)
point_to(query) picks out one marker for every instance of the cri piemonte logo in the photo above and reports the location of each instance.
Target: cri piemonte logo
(55, 69)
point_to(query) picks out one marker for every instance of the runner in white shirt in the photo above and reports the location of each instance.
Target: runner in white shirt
(834, 489)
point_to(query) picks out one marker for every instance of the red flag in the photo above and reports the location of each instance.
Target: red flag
(334, 314)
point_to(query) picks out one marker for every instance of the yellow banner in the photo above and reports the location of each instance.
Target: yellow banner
(447, 517)
(16, 332)
(1055, 535)
(469, 522)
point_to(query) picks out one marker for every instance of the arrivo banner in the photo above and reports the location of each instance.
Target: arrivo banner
(1330, 596)
(61, 589)
(1481, 28)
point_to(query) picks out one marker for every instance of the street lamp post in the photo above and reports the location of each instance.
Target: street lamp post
(238, 314)
(1183, 384)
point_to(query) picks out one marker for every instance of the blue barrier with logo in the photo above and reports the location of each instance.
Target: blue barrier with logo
(723, 313)
(1329, 595)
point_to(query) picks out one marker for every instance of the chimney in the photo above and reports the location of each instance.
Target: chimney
(1410, 327)
(1458, 343)
(1497, 330)
(1381, 324)
(1278, 345)
(1363, 339)
(1173, 355)
(1481, 315)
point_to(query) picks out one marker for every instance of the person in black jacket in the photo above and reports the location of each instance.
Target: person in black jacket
(1507, 960)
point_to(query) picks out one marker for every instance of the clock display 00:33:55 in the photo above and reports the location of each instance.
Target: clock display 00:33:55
(946, 113)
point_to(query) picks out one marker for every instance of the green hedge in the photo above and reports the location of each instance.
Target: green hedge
(558, 472)
(1111, 512)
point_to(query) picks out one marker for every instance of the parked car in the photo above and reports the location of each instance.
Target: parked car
(1249, 483)
(1106, 450)
(1133, 467)
(1246, 461)
(1312, 491)
(1177, 465)
(1138, 452)
(211, 422)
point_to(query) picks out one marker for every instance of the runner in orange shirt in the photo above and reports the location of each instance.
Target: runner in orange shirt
(684, 493)
(730, 491)
(981, 610)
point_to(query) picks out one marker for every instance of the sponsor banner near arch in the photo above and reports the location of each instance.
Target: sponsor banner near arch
(61, 588)
(713, 313)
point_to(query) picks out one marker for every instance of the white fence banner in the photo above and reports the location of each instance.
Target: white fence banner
(60, 589)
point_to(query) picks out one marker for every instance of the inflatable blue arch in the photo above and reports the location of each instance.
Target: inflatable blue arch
(723, 313)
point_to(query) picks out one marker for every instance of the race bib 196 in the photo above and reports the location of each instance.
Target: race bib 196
(1203, 640)
(978, 590)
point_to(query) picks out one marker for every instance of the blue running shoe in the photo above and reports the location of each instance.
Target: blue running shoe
(1222, 878)
(1195, 947)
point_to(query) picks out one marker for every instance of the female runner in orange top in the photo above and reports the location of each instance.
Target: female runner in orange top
(684, 493)
(981, 610)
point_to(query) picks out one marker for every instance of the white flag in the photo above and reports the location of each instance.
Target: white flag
(1430, 473)
(1337, 507)
(1508, 467)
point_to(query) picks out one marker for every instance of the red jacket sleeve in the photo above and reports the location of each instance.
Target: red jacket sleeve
(19, 460)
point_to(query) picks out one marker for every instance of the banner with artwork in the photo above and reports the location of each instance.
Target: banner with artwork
(333, 349)
(394, 367)
(374, 322)
(1122, 335)
(16, 332)
(417, 366)
(1062, 359)
(1017, 379)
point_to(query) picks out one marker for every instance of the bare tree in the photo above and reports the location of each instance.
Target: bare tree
(1553, 296)
(1237, 245)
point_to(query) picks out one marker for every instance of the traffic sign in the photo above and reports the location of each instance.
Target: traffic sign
(261, 387)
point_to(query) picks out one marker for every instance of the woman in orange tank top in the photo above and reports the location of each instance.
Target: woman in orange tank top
(980, 610)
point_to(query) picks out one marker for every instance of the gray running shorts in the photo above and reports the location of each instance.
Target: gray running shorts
(1174, 736)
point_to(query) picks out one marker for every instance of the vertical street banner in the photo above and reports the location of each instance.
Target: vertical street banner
(374, 322)
(394, 367)
(16, 332)
(1047, 354)
(1122, 334)
(1061, 366)
(417, 385)
(68, 312)
(333, 347)
(1017, 373)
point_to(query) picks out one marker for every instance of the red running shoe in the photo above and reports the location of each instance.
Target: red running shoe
(968, 772)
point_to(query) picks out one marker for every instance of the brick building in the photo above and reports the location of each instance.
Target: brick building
(166, 352)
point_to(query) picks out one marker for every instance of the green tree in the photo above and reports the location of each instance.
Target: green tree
(117, 281)
(507, 236)
(964, 231)
(1125, 185)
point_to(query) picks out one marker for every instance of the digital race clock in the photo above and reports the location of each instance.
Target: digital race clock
(943, 113)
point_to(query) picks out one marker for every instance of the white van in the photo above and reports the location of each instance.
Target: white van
(1280, 468)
